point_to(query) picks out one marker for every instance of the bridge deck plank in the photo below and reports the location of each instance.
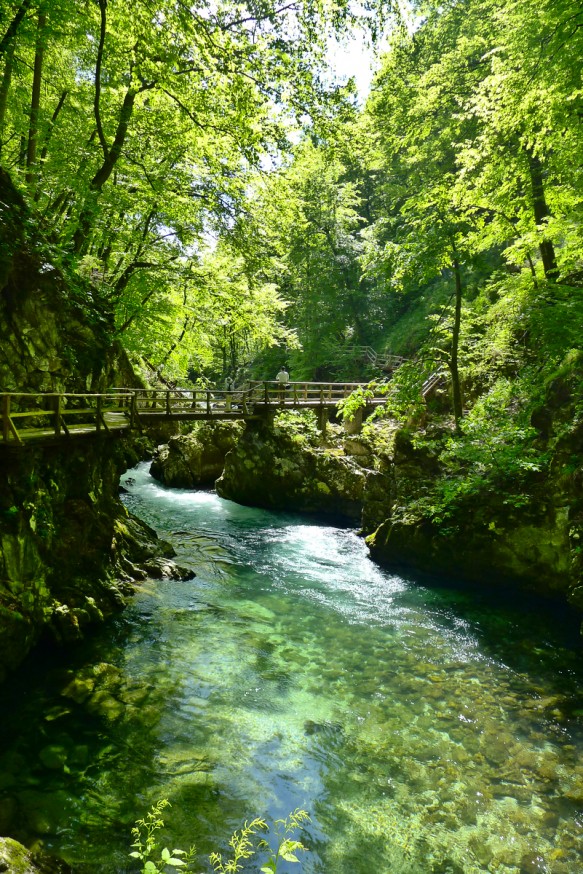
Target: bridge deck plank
(115, 422)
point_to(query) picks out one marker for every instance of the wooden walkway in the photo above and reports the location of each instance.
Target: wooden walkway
(40, 418)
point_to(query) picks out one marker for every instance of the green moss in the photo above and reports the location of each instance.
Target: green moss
(15, 858)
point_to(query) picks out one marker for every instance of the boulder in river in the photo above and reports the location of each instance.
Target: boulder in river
(285, 465)
(196, 460)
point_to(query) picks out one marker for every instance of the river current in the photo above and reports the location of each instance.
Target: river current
(424, 728)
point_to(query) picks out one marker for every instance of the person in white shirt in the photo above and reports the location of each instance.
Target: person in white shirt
(283, 379)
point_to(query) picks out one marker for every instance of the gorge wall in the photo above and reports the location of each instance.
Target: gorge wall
(68, 549)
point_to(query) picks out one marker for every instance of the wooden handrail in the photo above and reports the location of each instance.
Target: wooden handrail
(130, 408)
(53, 406)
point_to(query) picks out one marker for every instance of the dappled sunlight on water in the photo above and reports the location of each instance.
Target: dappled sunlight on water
(424, 729)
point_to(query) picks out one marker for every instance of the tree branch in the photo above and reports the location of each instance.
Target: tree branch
(14, 24)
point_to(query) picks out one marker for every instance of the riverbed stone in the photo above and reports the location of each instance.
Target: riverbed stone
(8, 813)
(103, 704)
(53, 756)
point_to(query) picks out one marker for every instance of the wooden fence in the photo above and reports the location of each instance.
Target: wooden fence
(28, 415)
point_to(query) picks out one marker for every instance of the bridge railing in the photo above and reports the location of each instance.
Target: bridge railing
(382, 360)
(57, 413)
(185, 402)
(274, 393)
(207, 403)
(29, 415)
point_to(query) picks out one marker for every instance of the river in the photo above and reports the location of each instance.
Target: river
(424, 728)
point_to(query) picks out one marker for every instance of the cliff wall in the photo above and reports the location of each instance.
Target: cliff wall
(68, 549)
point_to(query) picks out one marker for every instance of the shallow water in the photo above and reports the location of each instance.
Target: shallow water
(423, 728)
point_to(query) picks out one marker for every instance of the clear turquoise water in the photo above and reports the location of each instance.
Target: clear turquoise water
(423, 728)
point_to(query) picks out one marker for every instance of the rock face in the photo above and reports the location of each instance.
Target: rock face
(197, 459)
(56, 334)
(529, 539)
(69, 553)
(279, 467)
(529, 536)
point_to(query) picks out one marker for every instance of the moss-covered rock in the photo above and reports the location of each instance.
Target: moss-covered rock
(16, 859)
(284, 465)
(197, 459)
(525, 532)
(69, 551)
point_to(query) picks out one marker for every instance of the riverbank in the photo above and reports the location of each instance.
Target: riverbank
(424, 496)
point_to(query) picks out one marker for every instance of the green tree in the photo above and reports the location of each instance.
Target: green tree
(473, 118)
(137, 130)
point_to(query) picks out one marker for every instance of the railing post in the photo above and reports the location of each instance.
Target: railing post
(133, 410)
(5, 417)
(323, 422)
(208, 403)
(58, 409)
(98, 413)
(266, 393)
(168, 408)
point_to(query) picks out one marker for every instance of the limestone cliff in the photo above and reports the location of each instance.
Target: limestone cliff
(284, 465)
(195, 460)
(64, 535)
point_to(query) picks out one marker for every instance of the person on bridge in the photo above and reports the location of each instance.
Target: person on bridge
(229, 386)
(283, 379)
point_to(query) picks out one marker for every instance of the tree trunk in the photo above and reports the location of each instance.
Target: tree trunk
(104, 172)
(53, 121)
(5, 87)
(13, 26)
(541, 212)
(35, 100)
(455, 339)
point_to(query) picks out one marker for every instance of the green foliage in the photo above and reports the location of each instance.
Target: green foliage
(147, 848)
(357, 400)
(300, 426)
(241, 846)
(139, 144)
(286, 845)
(496, 452)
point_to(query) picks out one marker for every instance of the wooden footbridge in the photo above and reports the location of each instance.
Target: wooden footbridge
(41, 417)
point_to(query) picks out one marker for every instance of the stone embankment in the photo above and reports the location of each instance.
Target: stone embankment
(278, 465)
(525, 533)
(196, 460)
